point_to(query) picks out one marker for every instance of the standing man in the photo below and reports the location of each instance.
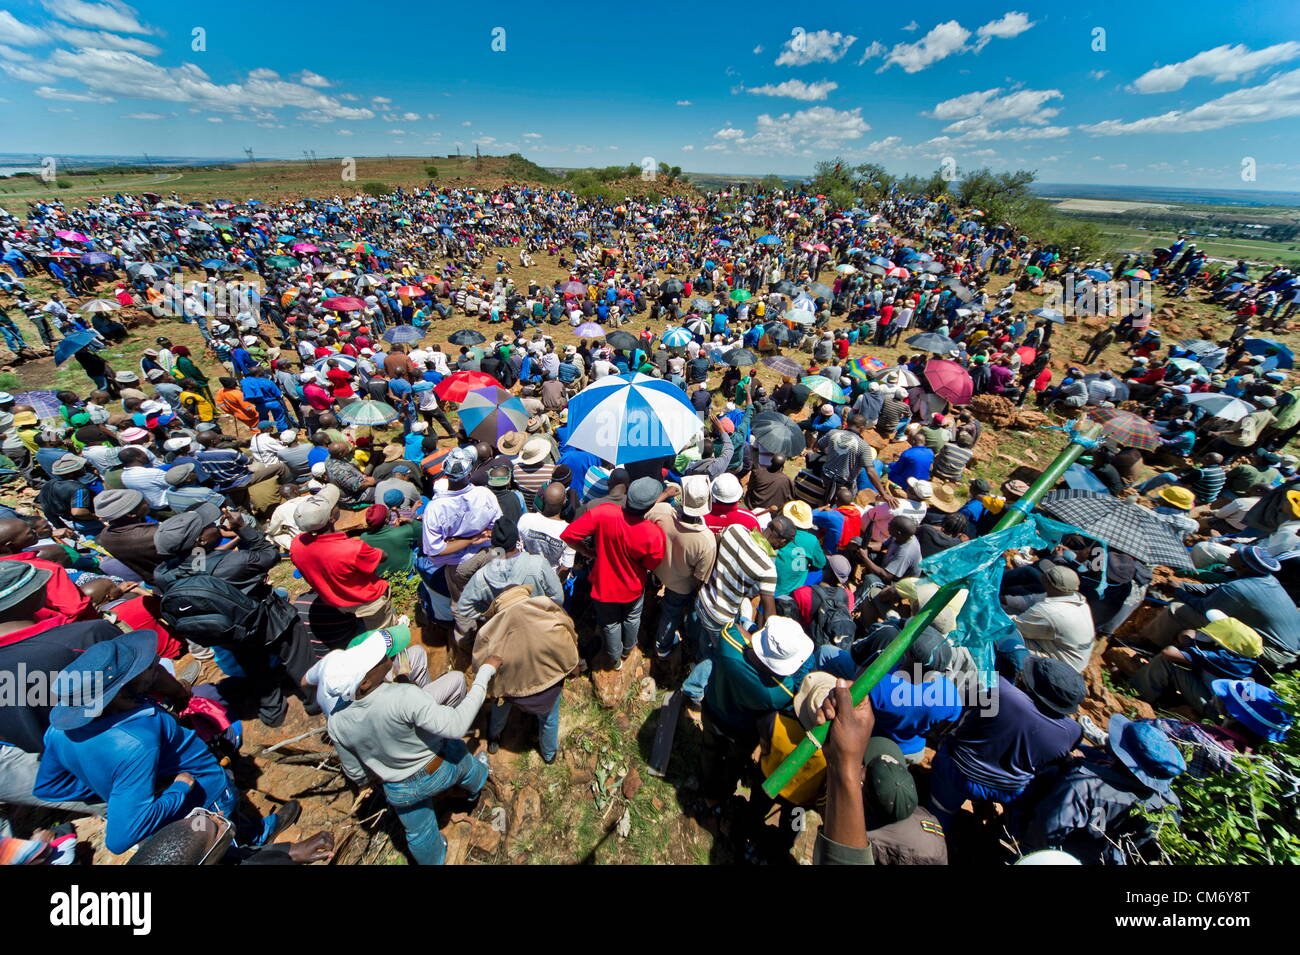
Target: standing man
(623, 548)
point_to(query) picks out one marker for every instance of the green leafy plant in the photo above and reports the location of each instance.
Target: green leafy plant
(1240, 818)
(375, 188)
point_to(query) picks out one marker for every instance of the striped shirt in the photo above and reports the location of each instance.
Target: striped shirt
(744, 568)
(950, 461)
(531, 478)
(847, 455)
(1208, 483)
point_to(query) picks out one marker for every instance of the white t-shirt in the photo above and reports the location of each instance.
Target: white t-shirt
(540, 535)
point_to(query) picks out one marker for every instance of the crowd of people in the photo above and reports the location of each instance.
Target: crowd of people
(774, 544)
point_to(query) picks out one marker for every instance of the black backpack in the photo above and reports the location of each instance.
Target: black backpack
(207, 609)
(831, 621)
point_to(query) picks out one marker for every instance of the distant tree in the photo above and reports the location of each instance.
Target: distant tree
(375, 188)
(431, 171)
(772, 182)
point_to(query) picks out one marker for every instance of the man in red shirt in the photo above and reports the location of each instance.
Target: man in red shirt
(623, 548)
(341, 569)
(726, 508)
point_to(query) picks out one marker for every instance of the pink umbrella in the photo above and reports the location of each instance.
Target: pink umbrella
(305, 247)
(1027, 354)
(950, 381)
(72, 236)
(344, 303)
(822, 247)
(897, 272)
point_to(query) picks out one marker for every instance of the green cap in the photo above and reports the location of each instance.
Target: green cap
(396, 638)
(889, 790)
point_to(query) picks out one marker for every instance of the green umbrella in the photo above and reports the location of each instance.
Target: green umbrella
(1033, 270)
(282, 261)
(741, 295)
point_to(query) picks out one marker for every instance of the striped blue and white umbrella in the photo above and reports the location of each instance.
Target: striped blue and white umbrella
(346, 362)
(677, 338)
(633, 417)
(369, 413)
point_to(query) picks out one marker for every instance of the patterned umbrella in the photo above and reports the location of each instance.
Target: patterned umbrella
(784, 365)
(460, 383)
(369, 413)
(346, 362)
(677, 338)
(46, 404)
(1127, 429)
(100, 305)
(410, 291)
(823, 387)
(1137, 531)
(574, 288)
(403, 334)
(633, 417)
(488, 413)
(864, 367)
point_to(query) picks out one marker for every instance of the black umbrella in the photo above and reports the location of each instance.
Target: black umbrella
(621, 340)
(1137, 531)
(785, 287)
(673, 286)
(739, 357)
(779, 332)
(932, 342)
(466, 336)
(777, 434)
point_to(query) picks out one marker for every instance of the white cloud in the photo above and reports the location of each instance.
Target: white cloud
(467, 123)
(688, 149)
(817, 127)
(343, 132)
(912, 27)
(685, 102)
(17, 56)
(350, 97)
(532, 135)
(308, 78)
(874, 50)
(397, 132)
(100, 40)
(1098, 74)
(818, 46)
(28, 74)
(1223, 64)
(111, 15)
(941, 42)
(410, 117)
(980, 110)
(215, 119)
(1279, 98)
(795, 89)
(758, 49)
(1009, 25)
(145, 116)
(58, 109)
(380, 100)
(18, 33)
(50, 92)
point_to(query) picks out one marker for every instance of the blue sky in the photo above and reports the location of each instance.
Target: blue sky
(1170, 94)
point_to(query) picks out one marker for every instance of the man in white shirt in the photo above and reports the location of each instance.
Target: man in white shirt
(1060, 625)
(265, 447)
(137, 475)
(539, 532)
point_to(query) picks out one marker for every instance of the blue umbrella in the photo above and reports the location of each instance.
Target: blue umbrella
(286, 238)
(1267, 346)
(633, 417)
(69, 346)
(1079, 478)
(881, 261)
(1099, 275)
(368, 413)
(769, 239)
(403, 334)
(212, 263)
(96, 258)
(581, 235)
(677, 338)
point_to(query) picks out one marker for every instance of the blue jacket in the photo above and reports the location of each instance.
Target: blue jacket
(122, 759)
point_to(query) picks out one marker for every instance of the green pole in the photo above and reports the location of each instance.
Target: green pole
(889, 658)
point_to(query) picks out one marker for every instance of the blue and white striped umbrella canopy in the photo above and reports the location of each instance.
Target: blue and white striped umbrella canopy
(633, 417)
(677, 338)
(346, 362)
